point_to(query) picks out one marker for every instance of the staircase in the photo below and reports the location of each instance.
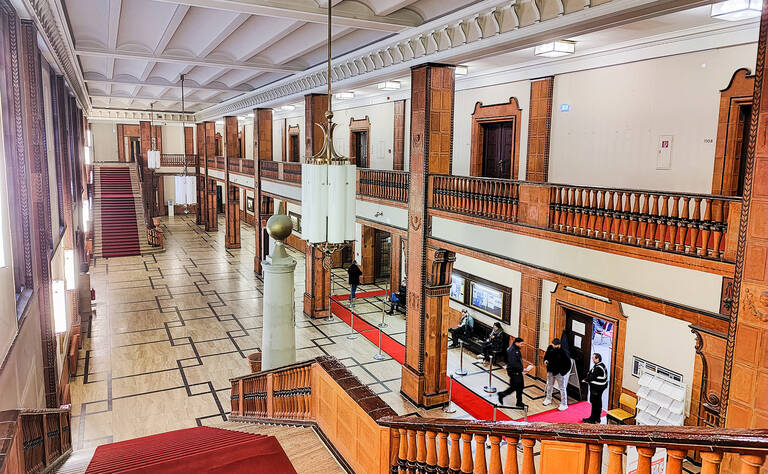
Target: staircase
(118, 211)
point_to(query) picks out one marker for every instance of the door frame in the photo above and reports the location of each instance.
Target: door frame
(293, 131)
(485, 114)
(738, 93)
(355, 126)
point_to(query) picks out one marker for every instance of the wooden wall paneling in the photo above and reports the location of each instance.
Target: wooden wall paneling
(398, 155)
(232, 236)
(120, 143)
(145, 131)
(315, 106)
(432, 93)
(293, 131)
(262, 151)
(359, 125)
(367, 254)
(395, 255)
(727, 153)
(485, 114)
(211, 221)
(539, 129)
(530, 315)
(232, 207)
(200, 175)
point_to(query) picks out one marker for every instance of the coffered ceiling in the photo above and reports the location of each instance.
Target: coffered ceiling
(132, 53)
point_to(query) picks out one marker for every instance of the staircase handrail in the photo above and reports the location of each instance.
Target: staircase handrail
(34, 439)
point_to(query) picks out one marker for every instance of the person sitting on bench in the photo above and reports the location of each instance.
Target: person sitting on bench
(462, 330)
(398, 299)
(493, 344)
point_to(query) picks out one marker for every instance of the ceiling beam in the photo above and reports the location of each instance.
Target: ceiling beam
(96, 79)
(170, 29)
(193, 61)
(353, 15)
(152, 98)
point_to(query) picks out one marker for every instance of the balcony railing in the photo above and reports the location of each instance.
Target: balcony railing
(292, 172)
(691, 224)
(281, 170)
(270, 169)
(383, 184)
(173, 159)
(283, 394)
(220, 163)
(34, 440)
(483, 197)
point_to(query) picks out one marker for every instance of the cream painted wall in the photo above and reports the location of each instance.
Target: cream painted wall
(464, 105)
(500, 275)
(277, 139)
(104, 141)
(248, 139)
(21, 380)
(381, 138)
(277, 136)
(660, 339)
(173, 138)
(547, 288)
(610, 135)
(169, 189)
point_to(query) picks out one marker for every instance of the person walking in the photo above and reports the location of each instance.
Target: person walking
(354, 273)
(466, 323)
(597, 378)
(515, 372)
(558, 366)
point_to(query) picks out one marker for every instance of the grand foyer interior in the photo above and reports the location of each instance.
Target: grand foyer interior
(586, 170)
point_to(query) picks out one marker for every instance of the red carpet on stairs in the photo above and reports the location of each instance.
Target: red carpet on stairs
(201, 449)
(119, 234)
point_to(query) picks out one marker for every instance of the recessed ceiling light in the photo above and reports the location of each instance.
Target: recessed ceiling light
(461, 70)
(219, 122)
(735, 10)
(555, 49)
(389, 85)
(345, 95)
(250, 115)
(288, 108)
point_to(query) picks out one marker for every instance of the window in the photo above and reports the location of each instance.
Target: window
(483, 295)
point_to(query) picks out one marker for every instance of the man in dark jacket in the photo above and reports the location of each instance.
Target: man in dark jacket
(515, 371)
(494, 343)
(558, 366)
(354, 278)
(398, 299)
(466, 323)
(597, 377)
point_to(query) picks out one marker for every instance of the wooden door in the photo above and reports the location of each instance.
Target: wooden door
(293, 148)
(361, 149)
(382, 254)
(498, 145)
(219, 200)
(745, 114)
(578, 330)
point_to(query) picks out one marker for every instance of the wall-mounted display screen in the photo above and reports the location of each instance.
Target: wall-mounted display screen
(480, 294)
(487, 299)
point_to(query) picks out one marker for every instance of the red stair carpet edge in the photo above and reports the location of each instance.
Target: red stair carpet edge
(119, 231)
(469, 401)
(201, 449)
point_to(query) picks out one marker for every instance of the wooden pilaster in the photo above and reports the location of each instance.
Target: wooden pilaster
(148, 188)
(232, 207)
(189, 141)
(262, 151)
(201, 173)
(211, 220)
(395, 255)
(398, 153)
(530, 309)
(432, 94)
(539, 129)
(315, 106)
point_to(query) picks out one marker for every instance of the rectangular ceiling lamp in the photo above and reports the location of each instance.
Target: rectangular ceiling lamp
(288, 108)
(461, 70)
(389, 85)
(555, 49)
(345, 95)
(735, 10)
(59, 306)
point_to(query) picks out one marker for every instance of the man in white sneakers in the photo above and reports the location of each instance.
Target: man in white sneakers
(558, 365)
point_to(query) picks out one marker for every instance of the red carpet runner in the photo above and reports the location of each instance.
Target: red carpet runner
(469, 401)
(194, 450)
(119, 234)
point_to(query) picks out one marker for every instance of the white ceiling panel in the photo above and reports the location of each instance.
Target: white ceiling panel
(130, 67)
(142, 24)
(257, 33)
(88, 20)
(200, 27)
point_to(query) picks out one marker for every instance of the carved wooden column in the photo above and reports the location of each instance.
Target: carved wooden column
(432, 93)
(539, 129)
(232, 207)
(530, 309)
(148, 185)
(201, 174)
(318, 281)
(367, 254)
(262, 151)
(395, 255)
(747, 348)
(209, 145)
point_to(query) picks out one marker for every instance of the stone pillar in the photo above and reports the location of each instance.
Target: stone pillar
(212, 222)
(232, 207)
(539, 130)
(318, 280)
(262, 151)
(278, 339)
(432, 94)
(201, 170)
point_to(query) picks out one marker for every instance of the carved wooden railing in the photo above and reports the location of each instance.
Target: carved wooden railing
(211, 162)
(234, 164)
(279, 394)
(291, 172)
(220, 163)
(34, 440)
(496, 199)
(445, 445)
(692, 224)
(383, 184)
(172, 159)
(246, 166)
(270, 169)
(287, 171)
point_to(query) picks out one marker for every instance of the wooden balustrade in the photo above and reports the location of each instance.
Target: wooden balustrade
(270, 169)
(246, 166)
(177, 159)
(282, 393)
(36, 440)
(445, 445)
(496, 199)
(220, 163)
(383, 184)
(691, 224)
(155, 237)
(291, 172)
(234, 164)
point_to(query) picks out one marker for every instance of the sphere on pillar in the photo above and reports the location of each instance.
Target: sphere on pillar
(278, 340)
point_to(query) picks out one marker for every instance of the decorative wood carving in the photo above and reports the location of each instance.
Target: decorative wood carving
(707, 376)
(730, 125)
(487, 114)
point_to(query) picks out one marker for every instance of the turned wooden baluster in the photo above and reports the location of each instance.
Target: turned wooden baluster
(421, 450)
(411, 451)
(460, 193)
(477, 204)
(554, 213)
(608, 221)
(652, 220)
(528, 465)
(402, 454)
(750, 463)
(674, 222)
(278, 385)
(480, 466)
(578, 224)
(616, 216)
(710, 462)
(599, 217)
(595, 459)
(693, 227)
(717, 233)
(615, 462)
(704, 226)
(485, 194)
(290, 382)
(442, 452)
(591, 200)
(570, 212)
(682, 226)
(506, 208)
(515, 195)
(466, 453)
(644, 455)
(675, 461)
(494, 199)
(588, 212)
(455, 458)
(431, 458)
(510, 463)
(662, 229)
(632, 231)
(494, 461)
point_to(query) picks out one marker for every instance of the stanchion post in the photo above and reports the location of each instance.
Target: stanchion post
(490, 388)
(330, 291)
(352, 335)
(461, 372)
(382, 324)
(450, 408)
(379, 356)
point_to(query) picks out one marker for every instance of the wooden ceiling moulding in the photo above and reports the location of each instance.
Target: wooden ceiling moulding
(494, 113)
